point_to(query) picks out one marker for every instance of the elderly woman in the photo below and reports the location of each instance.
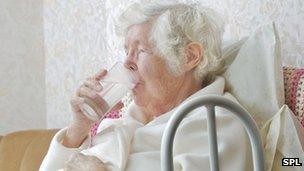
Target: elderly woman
(174, 50)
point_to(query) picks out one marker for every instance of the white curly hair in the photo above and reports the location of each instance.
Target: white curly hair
(176, 25)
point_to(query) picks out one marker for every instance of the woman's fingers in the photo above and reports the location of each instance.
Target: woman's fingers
(100, 74)
(118, 106)
(93, 84)
(80, 162)
(73, 162)
(89, 93)
(92, 95)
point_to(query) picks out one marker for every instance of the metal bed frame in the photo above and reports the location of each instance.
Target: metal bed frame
(210, 102)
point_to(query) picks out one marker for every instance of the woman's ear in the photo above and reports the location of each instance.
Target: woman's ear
(194, 53)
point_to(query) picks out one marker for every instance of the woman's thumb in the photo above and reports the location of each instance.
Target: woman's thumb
(118, 106)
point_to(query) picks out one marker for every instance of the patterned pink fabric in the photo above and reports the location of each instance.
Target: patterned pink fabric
(294, 91)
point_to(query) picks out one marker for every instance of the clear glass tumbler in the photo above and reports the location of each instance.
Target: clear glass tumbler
(116, 84)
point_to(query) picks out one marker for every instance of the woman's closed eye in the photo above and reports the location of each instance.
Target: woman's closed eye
(146, 51)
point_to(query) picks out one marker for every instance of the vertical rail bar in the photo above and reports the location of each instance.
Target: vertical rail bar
(213, 100)
(212, 138)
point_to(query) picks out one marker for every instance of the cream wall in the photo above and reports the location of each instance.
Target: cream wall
(22, 78)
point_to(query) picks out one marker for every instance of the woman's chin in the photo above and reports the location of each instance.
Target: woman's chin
(137, 94)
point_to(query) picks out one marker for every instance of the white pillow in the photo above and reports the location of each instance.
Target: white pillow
(255, 76)
(230, 52)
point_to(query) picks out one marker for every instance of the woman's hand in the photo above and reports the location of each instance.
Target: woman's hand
(81, 162)
(80, 126)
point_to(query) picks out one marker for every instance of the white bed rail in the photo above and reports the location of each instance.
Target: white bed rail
(210, 102)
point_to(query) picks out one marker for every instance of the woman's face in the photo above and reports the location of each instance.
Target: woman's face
(157, 85)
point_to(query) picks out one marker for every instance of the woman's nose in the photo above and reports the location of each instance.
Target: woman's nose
(130, 65)
(130, 62)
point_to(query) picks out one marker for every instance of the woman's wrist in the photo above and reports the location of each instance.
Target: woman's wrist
(75, 136)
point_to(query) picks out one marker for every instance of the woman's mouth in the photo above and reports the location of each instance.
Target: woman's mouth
(136, 86)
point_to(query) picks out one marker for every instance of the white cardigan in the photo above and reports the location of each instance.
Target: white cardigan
(130, 144)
